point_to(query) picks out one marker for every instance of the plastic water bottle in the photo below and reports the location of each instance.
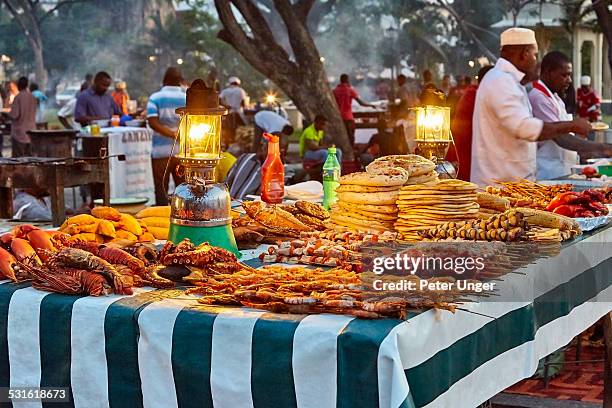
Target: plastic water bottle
(272, 173)
(331, 178)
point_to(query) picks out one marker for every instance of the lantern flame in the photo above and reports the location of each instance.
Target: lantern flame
(433, 124)
(199, 131)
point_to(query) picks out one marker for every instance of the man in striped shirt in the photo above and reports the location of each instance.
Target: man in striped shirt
(164, 122)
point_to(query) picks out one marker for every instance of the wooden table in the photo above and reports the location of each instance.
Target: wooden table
(53, 175)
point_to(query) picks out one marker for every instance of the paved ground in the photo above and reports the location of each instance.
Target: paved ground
(521, 401)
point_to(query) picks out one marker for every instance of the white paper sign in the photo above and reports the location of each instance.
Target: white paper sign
(134, 176)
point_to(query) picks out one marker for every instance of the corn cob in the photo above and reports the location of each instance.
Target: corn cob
(155, 211)
(488, 200)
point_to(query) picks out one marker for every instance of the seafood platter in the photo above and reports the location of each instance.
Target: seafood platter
(312, 260)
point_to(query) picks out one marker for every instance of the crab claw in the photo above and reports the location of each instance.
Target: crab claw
(41, 240)
(6, 239)
(24, 252)
(7, 264)
(21, 231)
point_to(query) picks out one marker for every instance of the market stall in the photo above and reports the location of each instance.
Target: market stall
(308, 316)
(162, 348)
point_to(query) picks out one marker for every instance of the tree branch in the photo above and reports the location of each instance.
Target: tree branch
(17, 16)
(57, 7)
(318, 11)
(266, 58)
(304, 49)
(302, 9)
(466, 29)
(255, 19)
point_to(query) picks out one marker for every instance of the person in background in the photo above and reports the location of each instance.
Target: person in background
(555, 158)
(589, 104)
(66, 113)
(407, 94)
(569, 99)
(164, 121)
(41, 109)
(382, 90)
(212, 80)
(32, 204)
(445, 85)
(271, 122)
(344, 94)
(95, 103)
(461, 128)
(234, 98)
(457, 91)
(87, 83)
(23, 116)
(11, 91)
(121, 97)
(504, 128)
(427, 80)
(312, 145)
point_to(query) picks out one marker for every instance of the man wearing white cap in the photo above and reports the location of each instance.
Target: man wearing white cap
(589, 104)
(504, 128)
(234, 98)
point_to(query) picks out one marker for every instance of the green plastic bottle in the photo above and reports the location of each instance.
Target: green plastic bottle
(331, 178)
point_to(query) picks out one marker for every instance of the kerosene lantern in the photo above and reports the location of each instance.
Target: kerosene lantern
(433, 137)
(200, 208)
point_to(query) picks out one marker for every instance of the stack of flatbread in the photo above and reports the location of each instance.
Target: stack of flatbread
(423, 206)
(420, 169)
(367, 202)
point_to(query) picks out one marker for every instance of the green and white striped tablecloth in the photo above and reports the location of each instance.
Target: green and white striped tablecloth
(152, 350)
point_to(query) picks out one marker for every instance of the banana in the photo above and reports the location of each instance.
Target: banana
(106, 228)
(155, 211)
(159, 233)
(163, 222)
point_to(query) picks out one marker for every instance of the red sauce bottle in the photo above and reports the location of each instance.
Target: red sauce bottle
(272, 173)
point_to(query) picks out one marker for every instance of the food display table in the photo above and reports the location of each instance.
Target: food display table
(160, 348)
(52, 174)
(134, 176)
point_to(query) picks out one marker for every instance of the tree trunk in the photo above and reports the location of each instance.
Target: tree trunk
(39, 67)
(301, 77)
(30, 25)
(319, 100)
(604, 18)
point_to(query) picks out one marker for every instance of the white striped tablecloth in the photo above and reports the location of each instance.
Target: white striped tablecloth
(151, 350)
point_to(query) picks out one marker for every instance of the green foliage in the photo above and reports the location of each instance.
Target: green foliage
(90, 36)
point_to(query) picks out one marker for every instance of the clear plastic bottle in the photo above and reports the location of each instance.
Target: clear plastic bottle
(272, 173)
(331, 178)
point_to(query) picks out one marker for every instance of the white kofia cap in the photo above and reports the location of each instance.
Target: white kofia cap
(518, 36)
(585, 80)
(234, 80)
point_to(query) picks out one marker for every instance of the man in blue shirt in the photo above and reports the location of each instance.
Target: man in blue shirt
(164, 122)
(94, 103)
